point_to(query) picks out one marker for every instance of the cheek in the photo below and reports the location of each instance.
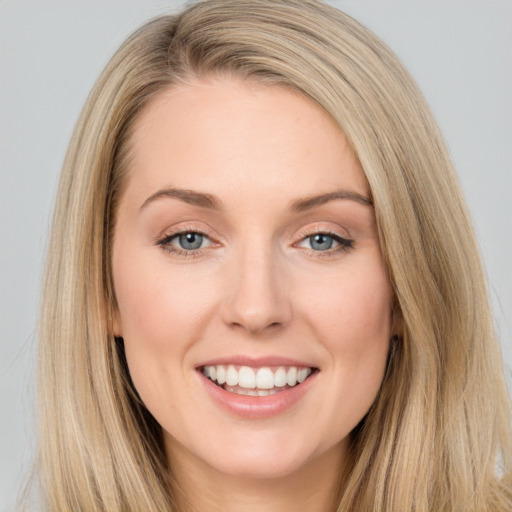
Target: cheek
(352, 316)
(163, 311)
(161, 316)
(156, 302)
(352, 306)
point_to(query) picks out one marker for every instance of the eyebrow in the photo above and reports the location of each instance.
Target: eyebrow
(188, 196)
(209, 201)
(308, 203)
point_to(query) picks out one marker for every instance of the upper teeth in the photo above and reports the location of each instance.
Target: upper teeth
(251, 378)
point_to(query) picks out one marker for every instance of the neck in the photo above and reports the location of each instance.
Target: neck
(313, 487)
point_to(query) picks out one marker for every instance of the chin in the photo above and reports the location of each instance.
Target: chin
(264, 456)
(260, 468)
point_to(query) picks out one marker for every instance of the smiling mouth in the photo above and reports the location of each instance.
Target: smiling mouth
(262, 381)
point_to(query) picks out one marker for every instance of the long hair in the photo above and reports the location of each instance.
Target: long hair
(438, 435)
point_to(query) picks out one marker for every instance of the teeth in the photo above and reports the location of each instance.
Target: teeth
(291, 376)
(221, 374)
(231, 376)
(256, 382)
(251, 392)
(246, 377)
(265, 378)
(302, 374)
(279, 378)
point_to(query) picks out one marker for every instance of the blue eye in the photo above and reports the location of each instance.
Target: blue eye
(326, 242)
(185, 243)
(190, 241)
(321, 242)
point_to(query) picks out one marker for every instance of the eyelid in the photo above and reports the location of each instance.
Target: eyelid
(184, 227)
(323, 230)
(344, 243)
(164, 240)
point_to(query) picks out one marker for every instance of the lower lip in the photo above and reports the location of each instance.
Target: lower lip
(257, 407)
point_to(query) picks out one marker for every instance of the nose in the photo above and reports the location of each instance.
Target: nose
(256, 298)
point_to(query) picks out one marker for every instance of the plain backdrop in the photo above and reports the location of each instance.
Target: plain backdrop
(51, 52)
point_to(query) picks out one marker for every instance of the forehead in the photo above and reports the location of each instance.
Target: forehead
(232, 135)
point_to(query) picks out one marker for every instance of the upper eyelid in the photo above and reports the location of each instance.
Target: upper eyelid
(300, 234)
(173, 232)
(341, 240)
(323, 230)
(171, 236)
(171, 248)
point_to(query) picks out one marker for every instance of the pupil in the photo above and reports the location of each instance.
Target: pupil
(191, 241)
(321, 242)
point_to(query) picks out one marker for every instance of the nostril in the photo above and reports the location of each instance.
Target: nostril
(256, 326)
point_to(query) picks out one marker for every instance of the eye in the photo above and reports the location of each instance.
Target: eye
(185, 242)
(190, 241)
(321, 242)
(326, 242)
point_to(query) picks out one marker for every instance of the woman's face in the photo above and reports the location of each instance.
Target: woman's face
(246, 249)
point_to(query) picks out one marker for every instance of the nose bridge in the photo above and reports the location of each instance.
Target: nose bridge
(256, 299)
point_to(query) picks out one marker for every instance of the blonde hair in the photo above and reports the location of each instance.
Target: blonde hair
(441, 422)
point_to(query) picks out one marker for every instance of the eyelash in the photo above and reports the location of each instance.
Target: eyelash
(165, 243)
(345, 244)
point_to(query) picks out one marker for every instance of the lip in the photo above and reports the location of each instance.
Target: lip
(256, 362)
(256, 407)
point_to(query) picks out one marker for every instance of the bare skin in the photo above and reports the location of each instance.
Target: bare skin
(245, 238)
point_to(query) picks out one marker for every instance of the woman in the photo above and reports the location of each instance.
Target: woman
(256, 201)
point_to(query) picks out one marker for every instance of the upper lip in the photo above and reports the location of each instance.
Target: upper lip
(256, 362)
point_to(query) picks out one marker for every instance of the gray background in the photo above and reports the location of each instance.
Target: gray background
(51, 52)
